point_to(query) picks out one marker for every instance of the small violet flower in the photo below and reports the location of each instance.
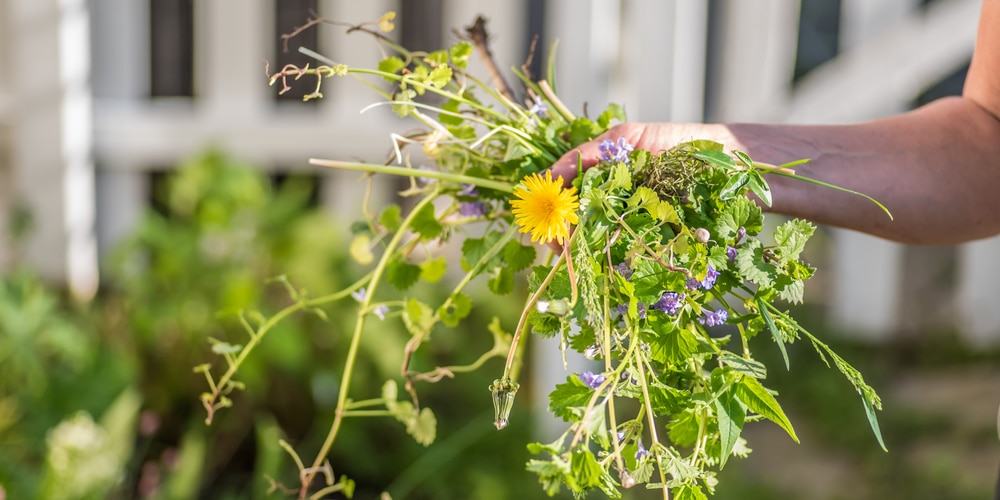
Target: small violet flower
(472, 209)
(615, 152)
(642, 452)
(706, 284)
(640, 310)
(468, 190)
(539, 108)
(624, 270)
(670, 303)
(591, 379)
(380, 311)
(714, 318)
(359, 294)
(731, 253)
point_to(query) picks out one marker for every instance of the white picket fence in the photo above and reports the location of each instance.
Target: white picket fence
(74, 81)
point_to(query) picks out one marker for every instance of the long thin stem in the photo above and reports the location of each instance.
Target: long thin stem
(411, 172)
(352, 351)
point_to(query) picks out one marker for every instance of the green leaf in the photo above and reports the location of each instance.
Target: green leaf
(585, 471)
(402, 102)
(789, 289)
(433, 270)
(423, 428)
(621, 176)
(733, 186)
(581, 130)
(219, 347)
(502, 283)
(518, 256)
(744, 158)
(760, 401)
(613, 112)
(460, 53)
(568, 400)
(741, 212)
(717, 158)
(683, 429)
(402, 274)
(674, 347)
(391, 65)
(440, 76)
(759, 187)
(389, 218)
(551, 473)
(437, 58)
(751, 265)
(730, 414)
(746, 366)
(426, 224)
(791, 238)
(459, 307)
(418, 317)
(778, 338)
(873, 422)
(689, 492)
(452, 106)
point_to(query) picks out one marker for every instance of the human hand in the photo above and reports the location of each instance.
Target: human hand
(652, 137)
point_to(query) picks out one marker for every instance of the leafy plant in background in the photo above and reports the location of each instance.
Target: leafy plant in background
(662, 275)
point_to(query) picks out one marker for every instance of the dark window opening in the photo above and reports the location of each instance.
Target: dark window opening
(819, 35)
(421, 24)
(171, 47)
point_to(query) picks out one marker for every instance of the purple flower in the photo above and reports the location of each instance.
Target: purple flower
(669, 303)
(624, 270)
(380, 311)
(741, 233)
(714, 318)
(640, 309)
(472, 209)
(711, 276)
(642, 451)
(622, 309)
(539, 108)
(731, 253)
(468, 190)
(591, 379)
(615, 152)
(359, 294)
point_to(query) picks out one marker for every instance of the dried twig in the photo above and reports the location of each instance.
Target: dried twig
(480, 40)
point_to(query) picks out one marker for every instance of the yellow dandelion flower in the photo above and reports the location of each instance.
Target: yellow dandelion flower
(544, 208)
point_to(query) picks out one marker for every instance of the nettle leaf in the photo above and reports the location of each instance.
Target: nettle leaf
(502, 283)
(402, 274)
(544, 325)
(550, 473)
(730, 414)
(746, 366)
(751, 265)
(585, 472)
(666, 400)
(683, 429)
(740, 212)
(389, 218)
(418, 317)
(759, 400)
(674, 347)
(433, 270)
(426, 224)
(458, 307)
(791, 238)
(790, 289)
(569, 400)
(689, 492)
(460, 53)
(518, 256)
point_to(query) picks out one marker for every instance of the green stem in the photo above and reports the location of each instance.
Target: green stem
(652, 427)
(411, 172)
(367, 413)
(352, 351)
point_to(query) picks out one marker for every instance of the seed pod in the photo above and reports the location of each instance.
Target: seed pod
(702, 235)
(503, 400)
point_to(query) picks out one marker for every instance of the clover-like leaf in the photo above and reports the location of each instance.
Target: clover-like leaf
(452, 311)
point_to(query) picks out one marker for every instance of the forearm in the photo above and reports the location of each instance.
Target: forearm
(936, 168)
